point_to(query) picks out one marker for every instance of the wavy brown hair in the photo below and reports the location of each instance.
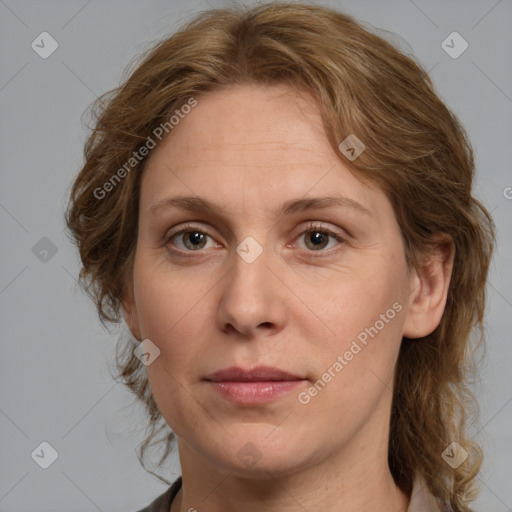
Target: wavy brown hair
(417, 152)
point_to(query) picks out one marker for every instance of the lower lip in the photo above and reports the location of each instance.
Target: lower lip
(255, 392)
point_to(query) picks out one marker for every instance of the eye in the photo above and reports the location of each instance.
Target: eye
(318, 238)
(189, 239)
(193, 239)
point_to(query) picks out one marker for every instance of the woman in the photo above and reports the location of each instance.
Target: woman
(280, 207)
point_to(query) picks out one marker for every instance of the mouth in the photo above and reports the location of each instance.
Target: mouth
(259, 385)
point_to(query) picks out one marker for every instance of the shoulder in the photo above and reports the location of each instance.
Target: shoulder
(162, 503)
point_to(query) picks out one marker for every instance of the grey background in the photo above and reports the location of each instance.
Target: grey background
(54, 381)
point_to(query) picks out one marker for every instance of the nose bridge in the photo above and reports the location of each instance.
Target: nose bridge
(250, 275)
(249, 296)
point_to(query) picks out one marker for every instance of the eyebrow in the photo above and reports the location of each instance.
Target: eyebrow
(199, 204)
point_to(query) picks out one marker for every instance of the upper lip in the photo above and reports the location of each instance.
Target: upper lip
(257, 374)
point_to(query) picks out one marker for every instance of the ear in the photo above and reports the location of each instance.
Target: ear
(129, 309)
(429, 289)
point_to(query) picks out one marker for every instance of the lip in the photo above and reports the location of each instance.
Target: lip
(257, 374)
(258, 385)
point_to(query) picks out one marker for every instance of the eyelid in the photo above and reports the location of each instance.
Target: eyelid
(316, 225)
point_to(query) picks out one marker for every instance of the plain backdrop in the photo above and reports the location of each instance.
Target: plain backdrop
(55, 386)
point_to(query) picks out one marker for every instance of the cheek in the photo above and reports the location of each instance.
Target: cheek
(167, 301)
(174, 320)
(366, 345)
(358, 301)
(366, 314)
(355, 371)
(172, 313)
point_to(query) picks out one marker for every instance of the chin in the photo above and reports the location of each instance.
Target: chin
(260, 455)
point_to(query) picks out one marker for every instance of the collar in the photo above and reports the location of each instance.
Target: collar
(422, 500)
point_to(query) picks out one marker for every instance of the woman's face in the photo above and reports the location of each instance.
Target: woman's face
(273, 275)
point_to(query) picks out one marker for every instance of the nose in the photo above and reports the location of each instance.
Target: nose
(252, 298)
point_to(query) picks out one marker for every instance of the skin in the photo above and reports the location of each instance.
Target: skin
(297, 307)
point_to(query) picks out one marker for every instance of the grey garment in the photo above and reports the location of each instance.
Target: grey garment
(421, 498)
(163, 502)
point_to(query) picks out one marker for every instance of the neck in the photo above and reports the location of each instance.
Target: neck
(362, 486)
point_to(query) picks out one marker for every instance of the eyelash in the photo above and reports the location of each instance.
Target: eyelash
(310, 228)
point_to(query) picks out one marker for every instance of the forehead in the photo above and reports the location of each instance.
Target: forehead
(245, 119)
(265, 143)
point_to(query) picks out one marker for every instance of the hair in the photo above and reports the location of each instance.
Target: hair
(417, 152)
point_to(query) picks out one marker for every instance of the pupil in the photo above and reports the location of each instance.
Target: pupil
(318, 239)
(195, 238)
(317, 236)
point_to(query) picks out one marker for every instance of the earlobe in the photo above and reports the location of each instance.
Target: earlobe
(429, 289)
